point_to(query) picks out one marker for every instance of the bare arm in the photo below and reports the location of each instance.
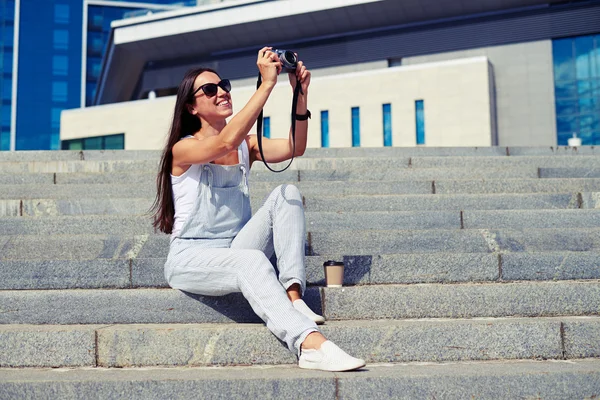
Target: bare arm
(277, 150)
(187, 152)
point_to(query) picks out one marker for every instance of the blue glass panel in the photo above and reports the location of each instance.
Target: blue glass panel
(6, 89)
(355, 127)
(387, 125)
(567, 124)
(95, 42)
(267, 127)
(7, 62)
(566, 107)
(325, 128)
(55, 117)
(4, 139)
(59, 91)
(61, 39)
(566, 89)
(60, 65)
(596, 57)
(61, 13)
(563, 58)
(5, 121)
(9, 10)
(589, 105)
(420, 121)
(7, 35)
(584, 45)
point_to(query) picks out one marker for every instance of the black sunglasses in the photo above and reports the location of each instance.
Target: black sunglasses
(211, 89)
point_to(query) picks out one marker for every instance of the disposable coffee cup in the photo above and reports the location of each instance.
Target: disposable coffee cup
(334, 273)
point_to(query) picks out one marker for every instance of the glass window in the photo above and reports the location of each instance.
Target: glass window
(584, 45)
(60, 65)
(387, 125)
(564, 65)
(355, 127)
(4, 139)
(325, 128)
(92, 143)
(9, 10)
(420, 121)
(90, 93)
(267, 127)
(61, 39)
(114, 142)
(55, 117)
(59, 91)
(7, 35)
(74, 144)
(577, 88)
(7, 62)
(6, 89)
(61, 13)
(5, 115)
(95, 42)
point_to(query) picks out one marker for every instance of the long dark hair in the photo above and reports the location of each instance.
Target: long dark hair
(183, 124)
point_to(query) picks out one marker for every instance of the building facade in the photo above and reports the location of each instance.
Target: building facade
(541, 85)
(51, 52)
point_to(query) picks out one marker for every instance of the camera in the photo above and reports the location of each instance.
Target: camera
(288, 58)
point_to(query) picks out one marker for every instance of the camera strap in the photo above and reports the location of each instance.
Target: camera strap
(259, 125)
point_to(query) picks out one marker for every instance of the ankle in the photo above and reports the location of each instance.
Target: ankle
(313, 341)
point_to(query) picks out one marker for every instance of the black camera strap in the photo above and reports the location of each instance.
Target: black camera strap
(259, 125)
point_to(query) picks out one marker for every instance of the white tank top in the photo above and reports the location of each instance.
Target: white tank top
(185, 188)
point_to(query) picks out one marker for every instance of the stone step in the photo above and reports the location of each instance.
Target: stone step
(549, 185)
(494, 162)
(289, 176)
(7, 156)
(368, 302)
(359, 270)
(461, 241)
(582, 172)
(310, 189)
(446, 202)
(565, 379)
(323, 220)
(314, 163)
(453, 340)
(257, 189)
(366, 242)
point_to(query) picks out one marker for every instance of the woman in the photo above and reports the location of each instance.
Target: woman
(217, 246)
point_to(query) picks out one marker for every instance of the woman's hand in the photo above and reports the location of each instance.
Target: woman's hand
(302, 74)
(268, 65)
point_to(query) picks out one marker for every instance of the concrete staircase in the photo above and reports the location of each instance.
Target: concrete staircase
(469, 272)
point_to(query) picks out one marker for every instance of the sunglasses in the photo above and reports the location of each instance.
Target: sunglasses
(211, 89)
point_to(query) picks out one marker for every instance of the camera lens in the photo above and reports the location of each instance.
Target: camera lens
(290, 57)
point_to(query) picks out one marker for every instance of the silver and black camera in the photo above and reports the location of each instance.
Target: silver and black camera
(288, 58)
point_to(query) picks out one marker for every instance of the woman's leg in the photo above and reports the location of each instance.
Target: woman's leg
(215, 272)
(279, 226)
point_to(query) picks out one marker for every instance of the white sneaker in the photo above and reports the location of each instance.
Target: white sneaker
(329, 358)
(301, 306)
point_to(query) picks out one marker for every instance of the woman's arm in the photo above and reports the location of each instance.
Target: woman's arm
(186, 152)
(277, 150)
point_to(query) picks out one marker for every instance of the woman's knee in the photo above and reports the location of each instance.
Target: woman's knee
(288, 192)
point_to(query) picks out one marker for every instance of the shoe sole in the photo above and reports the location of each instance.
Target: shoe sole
(321, 368)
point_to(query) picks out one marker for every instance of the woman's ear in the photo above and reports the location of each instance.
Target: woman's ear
(191, 109)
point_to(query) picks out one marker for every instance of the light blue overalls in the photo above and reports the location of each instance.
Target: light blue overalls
(222, 248)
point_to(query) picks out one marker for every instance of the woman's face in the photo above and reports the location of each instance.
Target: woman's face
(214, 107)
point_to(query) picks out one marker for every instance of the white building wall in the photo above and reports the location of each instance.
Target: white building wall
(524, 80)
(456, 97)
